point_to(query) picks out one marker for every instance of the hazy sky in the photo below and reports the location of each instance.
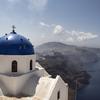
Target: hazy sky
(68, 21)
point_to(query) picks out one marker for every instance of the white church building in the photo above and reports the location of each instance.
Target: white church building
(21, 76)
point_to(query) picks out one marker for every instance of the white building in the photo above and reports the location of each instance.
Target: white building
(22, 76)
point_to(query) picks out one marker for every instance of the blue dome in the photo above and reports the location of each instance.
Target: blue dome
(15, 44)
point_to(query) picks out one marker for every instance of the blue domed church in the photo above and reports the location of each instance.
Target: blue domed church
(20, 74)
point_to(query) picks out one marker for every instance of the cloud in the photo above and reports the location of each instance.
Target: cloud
(81, 36)
(72, 36)
(70, 39)
(59, 33)
(44, 24)
(58, 29)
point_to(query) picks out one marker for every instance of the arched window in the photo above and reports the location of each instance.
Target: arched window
(31, 64)
(58, 95)
(14, 66)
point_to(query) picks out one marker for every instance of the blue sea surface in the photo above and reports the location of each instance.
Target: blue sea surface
(91, 91)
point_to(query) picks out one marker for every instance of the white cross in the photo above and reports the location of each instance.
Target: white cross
(13, 27)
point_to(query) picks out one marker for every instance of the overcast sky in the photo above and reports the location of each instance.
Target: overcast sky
(69, 21)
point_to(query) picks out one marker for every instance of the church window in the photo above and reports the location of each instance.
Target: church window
(58, 95)
(14, 66)
(31, 64)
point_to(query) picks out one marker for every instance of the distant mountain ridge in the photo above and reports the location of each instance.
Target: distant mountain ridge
(82, 54)
(62, 47)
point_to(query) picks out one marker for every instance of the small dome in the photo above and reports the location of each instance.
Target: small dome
(15, 44)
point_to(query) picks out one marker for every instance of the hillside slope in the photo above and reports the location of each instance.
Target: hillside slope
(70, 62)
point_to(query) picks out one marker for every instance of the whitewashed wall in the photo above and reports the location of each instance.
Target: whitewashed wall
(12, 86)
(23, 62)
(22, 85)
(59, 86)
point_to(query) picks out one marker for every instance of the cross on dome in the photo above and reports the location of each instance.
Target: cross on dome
(13, 27)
